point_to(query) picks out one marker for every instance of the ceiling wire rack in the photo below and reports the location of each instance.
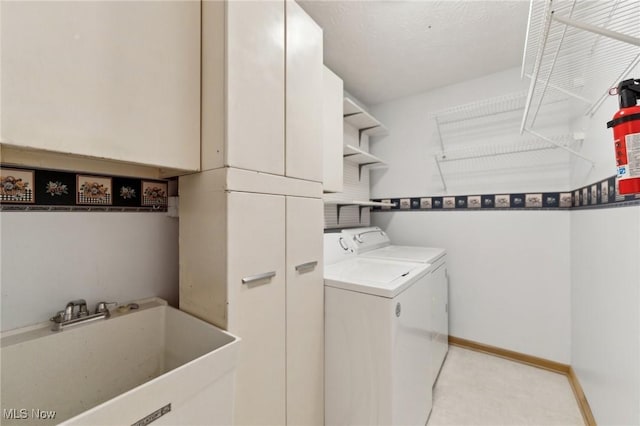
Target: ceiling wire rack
(573, 43)
(529, 145)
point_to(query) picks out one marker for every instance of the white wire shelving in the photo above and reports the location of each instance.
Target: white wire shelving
(572, 44)
(474, 156)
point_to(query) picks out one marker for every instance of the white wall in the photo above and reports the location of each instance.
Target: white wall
(509, 274)
(510, 269)
(605, 249)
(576, 298)
(413, 141)
(606, 311)
(49, 258)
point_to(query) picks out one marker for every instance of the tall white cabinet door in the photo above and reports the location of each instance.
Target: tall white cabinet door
(305, 312)
(255, 85)
(332, 131)
(117, 80)
(304, 95)
(256, 247)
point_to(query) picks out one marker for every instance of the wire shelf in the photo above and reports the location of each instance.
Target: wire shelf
(572, 44)
(491, 117)
(481, 109)
(497, 150)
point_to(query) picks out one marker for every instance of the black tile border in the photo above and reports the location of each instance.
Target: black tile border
(598, 195)
(59, 191)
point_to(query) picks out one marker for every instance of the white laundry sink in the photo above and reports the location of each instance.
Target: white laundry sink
(153, 362)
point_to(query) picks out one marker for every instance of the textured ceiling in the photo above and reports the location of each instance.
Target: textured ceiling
(385, 50)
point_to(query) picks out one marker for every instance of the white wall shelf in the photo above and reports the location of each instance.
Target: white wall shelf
(358, 125)
(361, 120)
(361, 205)
(361, 158)
(573, 43)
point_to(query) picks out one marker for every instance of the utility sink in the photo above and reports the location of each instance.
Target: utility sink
(155, 363)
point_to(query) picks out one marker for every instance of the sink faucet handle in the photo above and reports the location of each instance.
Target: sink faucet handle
(82, 310)
(69, 310)
(104, 306)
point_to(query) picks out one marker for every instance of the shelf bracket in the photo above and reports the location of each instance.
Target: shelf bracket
(552, 142)
(338, 208)
(360, 166)
(444, 185)
(598, 30)
(439, 133)
(360, 212)
(361, 131)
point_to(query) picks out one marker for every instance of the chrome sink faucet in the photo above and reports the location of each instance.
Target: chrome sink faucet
(76, 312)
(70, 311)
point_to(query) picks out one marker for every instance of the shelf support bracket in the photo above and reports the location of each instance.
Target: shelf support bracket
(439, 133)
(360, 166)
(598, 30)
(360, 212)
(361, 131)
(552, 142)
(338, 208)
(444, 185)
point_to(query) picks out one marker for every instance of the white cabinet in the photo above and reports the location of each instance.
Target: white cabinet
(115, 80)
(248, 265)
(332, 132)
(256, 306)
(304, 82)
(305, 312)
(255, 75)
(253, 64)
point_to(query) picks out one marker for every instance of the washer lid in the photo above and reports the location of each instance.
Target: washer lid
(380, 277)
(406, 253)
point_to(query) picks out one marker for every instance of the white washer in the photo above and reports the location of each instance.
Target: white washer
(377, 340)
(373, 242)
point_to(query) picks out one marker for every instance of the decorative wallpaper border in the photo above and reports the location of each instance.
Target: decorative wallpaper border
(602, 194)
(31, 189)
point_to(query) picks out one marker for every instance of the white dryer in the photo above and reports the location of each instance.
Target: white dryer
(373, 242)
(377, 339)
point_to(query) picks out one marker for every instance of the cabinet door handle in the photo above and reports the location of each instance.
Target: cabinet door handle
(308, 265)
(253, 278)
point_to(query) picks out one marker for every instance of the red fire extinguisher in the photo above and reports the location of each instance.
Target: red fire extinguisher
(626, 135)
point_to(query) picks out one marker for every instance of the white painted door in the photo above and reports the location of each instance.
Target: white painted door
(332, 130)
(304, 85)
(255, 85)
(256, 247)
(118, 80)
(305, 312)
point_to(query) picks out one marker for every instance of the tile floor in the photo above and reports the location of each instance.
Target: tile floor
(480, 389)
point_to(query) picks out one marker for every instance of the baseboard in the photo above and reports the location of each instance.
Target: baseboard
(534, 361)
(585, 409)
